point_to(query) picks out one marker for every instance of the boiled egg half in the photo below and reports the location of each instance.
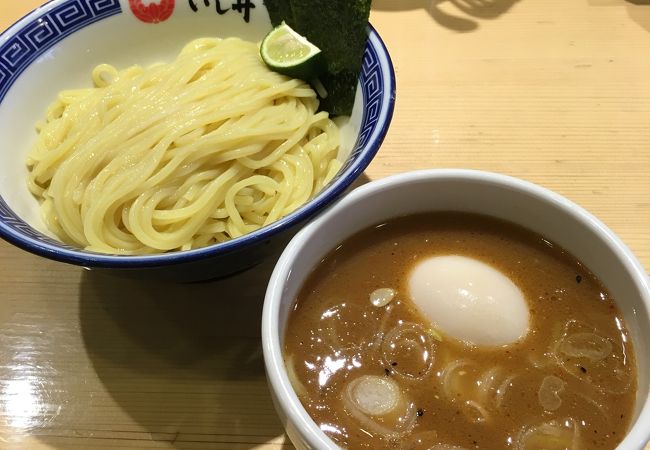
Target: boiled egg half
(469, 300)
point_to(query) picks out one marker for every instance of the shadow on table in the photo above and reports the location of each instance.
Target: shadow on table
(472, 9)
(184, 361)
(639, 11)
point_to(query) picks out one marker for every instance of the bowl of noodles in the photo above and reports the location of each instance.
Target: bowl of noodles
(148, 137)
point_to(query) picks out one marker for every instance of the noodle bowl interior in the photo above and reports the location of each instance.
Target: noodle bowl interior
(180, 155)
(375, 370)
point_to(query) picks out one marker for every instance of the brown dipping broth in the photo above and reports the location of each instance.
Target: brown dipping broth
(462, 395)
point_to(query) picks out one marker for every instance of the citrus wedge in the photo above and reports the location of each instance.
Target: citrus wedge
(287, 52)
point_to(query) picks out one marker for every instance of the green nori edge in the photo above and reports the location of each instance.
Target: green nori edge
(341, 89)
(339, 29)
(280, 10)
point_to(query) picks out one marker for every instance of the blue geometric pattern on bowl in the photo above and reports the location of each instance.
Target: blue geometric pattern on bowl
(372, 85)
(47, 29)
(40, 35)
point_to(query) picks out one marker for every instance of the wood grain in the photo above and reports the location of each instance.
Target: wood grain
(551, 91)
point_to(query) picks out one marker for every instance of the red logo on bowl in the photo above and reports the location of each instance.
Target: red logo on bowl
(154, 11)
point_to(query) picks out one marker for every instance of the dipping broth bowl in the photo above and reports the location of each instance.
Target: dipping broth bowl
(499, 196)
(56, 46)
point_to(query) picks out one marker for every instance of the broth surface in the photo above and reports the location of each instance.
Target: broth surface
(554, 388)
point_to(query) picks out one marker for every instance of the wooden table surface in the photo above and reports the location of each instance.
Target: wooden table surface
(553, 91)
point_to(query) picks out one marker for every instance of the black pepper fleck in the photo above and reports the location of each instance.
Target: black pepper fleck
(578, 278)
(420, 412)
(394, 363)
(583, 370)
(387, 372)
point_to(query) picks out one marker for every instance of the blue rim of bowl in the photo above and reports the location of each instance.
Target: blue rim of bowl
(350, 172)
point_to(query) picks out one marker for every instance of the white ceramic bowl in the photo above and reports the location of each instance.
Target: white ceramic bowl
(56, 46)
(507, 198)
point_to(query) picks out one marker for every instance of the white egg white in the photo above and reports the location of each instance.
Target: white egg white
(469, 300)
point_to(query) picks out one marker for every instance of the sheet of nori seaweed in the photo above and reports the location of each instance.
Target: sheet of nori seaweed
(280, 10)
(341, 88)
(338, 28)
